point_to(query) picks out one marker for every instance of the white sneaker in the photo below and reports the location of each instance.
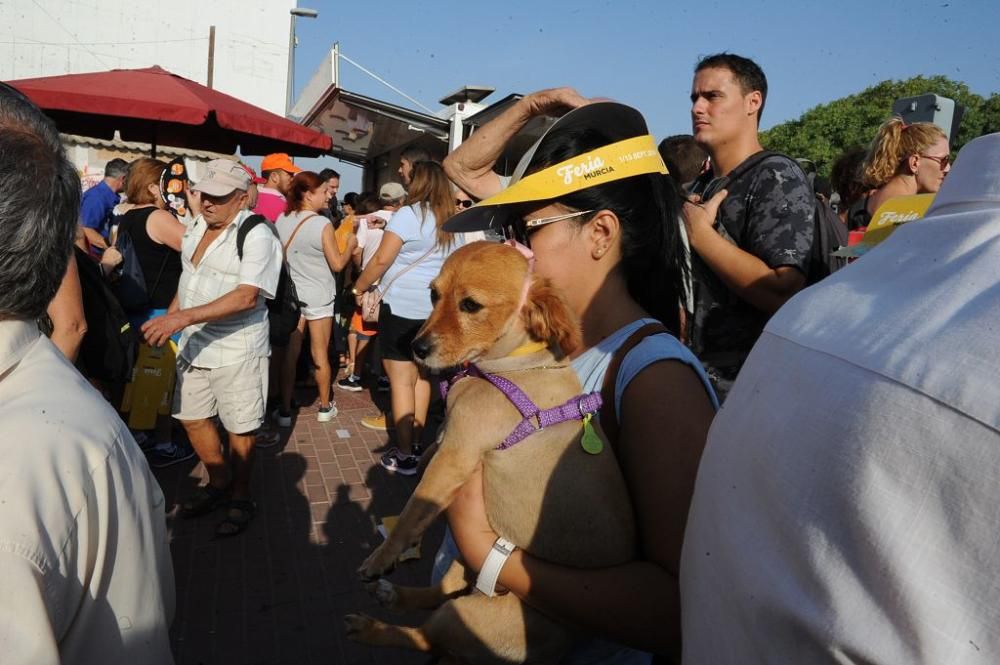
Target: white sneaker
(327, 413)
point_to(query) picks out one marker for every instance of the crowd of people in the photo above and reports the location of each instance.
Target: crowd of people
(812, 474)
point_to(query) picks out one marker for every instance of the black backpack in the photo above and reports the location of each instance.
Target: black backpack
(284, 310)
(111, 345)
(129, 283)
(829, 233)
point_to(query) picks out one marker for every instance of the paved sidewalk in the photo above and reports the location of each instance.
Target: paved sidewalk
(278, 592)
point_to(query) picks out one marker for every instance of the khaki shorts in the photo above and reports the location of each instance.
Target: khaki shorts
(236, 393)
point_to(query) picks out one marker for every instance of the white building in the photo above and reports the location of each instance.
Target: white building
(52, 37)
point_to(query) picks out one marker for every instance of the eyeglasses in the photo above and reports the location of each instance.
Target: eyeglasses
(463, 203)
(942, 162)
(521, 230)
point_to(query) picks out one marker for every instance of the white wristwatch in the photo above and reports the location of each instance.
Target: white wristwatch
(499, 553)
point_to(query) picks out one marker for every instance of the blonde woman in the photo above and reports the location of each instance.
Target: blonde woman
(903, 159)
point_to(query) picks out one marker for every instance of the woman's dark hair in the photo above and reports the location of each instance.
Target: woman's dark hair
(430, 188)
(303, 183)
(649, 208)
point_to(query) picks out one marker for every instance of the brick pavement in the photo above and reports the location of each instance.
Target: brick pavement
(277, 593)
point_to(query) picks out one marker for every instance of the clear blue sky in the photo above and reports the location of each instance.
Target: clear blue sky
(642, 52)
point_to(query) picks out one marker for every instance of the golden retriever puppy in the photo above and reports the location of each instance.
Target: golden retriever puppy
(544, 492)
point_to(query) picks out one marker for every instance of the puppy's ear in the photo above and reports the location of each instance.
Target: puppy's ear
(548, 318)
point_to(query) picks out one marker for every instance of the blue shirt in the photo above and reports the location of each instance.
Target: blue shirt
(409, 296)
(96, 207)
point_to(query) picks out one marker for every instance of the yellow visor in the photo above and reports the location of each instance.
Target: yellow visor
(615, 161)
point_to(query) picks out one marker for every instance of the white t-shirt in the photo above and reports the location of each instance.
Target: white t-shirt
(409, 296)
(847, 507)
(370, 238)
(314, 281)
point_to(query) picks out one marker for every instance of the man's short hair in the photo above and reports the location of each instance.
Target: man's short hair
(746, 73)
(116, 168)
(683, 156)
(39, 208)
(327, 174)
(414, 154)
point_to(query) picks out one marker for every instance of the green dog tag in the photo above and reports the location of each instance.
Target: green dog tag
(591, 442)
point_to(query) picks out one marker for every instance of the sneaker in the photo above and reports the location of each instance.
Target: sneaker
(351, 384)
(383, 384)
(266, 438)
(326, 413)
(377, 423)
(145, 441)
(283, 418)
(166, 455)
(402, 464)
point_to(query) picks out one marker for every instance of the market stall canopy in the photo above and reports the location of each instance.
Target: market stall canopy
(154, 106)
(366, 128)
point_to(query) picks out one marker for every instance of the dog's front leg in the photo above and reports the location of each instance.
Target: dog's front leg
(445, 475)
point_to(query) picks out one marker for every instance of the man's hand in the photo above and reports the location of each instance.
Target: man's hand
(699, 218)
(158, 330)
(553, 102)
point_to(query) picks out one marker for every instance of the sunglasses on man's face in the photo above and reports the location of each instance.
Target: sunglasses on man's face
(463, 203)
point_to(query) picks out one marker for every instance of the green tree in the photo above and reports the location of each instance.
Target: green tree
(825, 132)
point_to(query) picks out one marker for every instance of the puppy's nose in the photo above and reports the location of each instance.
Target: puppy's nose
(422, 347)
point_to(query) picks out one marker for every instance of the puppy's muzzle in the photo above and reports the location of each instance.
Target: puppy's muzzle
(422, 347)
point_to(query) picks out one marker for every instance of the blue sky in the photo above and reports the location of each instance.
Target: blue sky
(642, 52)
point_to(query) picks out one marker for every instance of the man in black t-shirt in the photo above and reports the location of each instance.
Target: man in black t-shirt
(751, 225)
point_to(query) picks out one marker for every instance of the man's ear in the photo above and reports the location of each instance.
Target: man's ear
(548, 318)
(754, 101)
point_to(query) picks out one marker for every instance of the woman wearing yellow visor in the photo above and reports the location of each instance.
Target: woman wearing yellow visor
(593, 201)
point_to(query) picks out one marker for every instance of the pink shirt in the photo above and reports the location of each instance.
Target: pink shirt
(270, 203)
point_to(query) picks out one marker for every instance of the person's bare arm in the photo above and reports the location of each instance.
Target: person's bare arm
(69, 324)
(386, 253)
(95, 238)
(241, 299)
(336, 259)
(665, 418)
(165, 229)
(470, 166)
(751, 279)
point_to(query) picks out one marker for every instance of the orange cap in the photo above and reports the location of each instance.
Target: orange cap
(279, 161)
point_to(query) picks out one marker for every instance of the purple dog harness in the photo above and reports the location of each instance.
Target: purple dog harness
(533, 418)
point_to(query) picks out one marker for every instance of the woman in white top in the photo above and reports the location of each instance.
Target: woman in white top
(410, 255)
(312, 256)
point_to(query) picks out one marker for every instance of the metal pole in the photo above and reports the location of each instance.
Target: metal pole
(211, 55)
(336, 64)
(291, 65)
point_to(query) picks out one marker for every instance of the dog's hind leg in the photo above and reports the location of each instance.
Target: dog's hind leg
(365, 629)
(456, 582)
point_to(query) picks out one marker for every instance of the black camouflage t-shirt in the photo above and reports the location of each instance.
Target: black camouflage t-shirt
(769, 213)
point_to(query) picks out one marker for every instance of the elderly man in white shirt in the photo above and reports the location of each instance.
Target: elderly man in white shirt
(222, 363)
(85, 571)
(847, 508)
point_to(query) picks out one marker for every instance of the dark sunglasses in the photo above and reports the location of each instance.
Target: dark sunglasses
(463, 203)
(943, 162)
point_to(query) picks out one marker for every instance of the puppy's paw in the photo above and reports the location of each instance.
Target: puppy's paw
(360, 627)
(379, 563)
(384, 592)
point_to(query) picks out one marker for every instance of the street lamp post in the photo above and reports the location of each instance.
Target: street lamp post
(296, 12)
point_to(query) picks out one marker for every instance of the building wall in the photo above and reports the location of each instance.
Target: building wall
(52, 37)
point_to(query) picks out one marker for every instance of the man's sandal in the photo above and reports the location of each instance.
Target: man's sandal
(239, 513)
(204, 500)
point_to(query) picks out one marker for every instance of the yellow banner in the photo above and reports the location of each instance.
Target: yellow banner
(616, 161)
